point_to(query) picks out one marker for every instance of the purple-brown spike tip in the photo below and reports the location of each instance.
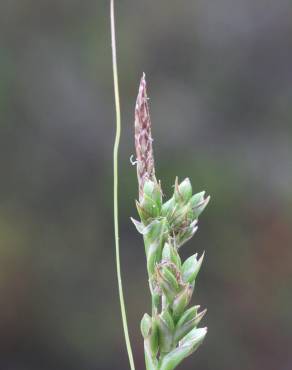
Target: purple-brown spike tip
(143, 138)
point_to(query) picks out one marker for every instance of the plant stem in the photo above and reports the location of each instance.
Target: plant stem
(115, 167)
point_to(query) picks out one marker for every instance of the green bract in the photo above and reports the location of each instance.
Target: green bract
(183, 191)
(191, 267)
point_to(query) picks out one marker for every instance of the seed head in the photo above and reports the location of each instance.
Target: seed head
(143, 139)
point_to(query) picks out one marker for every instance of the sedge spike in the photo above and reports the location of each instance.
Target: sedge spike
(143, 138)
(171, 333)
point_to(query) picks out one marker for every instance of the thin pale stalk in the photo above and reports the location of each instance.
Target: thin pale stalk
(115, 168)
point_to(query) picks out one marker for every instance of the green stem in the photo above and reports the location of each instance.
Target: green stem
(115, 165)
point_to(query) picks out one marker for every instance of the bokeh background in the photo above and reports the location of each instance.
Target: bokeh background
(220, 85)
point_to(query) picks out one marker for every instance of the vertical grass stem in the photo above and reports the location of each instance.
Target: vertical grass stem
(115, 168)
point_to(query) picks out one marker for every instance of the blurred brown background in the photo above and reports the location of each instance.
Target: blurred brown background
(220, 82)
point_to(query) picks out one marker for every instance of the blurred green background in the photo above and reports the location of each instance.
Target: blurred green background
(220, 86)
